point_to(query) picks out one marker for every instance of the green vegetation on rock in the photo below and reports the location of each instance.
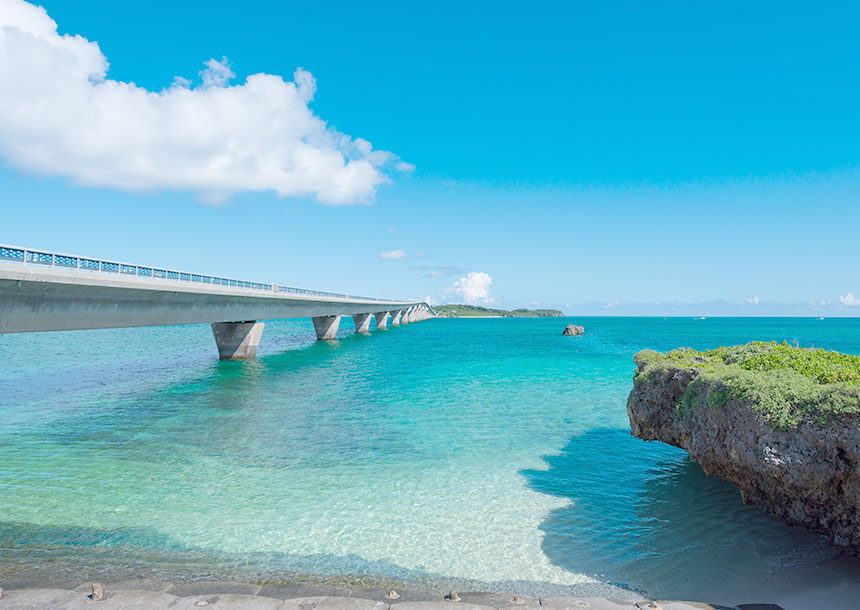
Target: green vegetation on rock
(787, 384)
(465, 311)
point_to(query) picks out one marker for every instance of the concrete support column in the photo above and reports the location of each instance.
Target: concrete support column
(362, 323)
(326, 327)
(395, 317)
(237, 340)
(382, 319)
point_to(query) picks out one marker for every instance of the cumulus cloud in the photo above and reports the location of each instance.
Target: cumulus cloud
(61, 115)
(753, 301)
(849, 299)
(474, 287)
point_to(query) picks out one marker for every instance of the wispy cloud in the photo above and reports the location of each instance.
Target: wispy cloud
(61, 115)
(720, 307)
(399, 255)
(440, 272)
(393, 255)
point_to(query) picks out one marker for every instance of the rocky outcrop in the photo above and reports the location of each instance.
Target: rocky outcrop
(571, 330)
(807, 475)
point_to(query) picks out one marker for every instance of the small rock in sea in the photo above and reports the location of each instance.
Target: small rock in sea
(98, 593)
(571, 330)
(393, 594)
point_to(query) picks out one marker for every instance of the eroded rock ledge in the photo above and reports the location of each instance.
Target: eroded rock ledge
(800, 465)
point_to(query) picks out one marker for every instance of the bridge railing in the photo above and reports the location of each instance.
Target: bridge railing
(66, 261)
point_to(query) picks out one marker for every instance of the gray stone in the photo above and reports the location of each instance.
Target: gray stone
(120, 600)
(213, 587)
(578, 603)
(405, 595)
(302, 590)
(228, 601)
(499, 600)
(138, 584)
(333, 603)
(442, 604)
(677, 605)
(35, 599)
(572, 329)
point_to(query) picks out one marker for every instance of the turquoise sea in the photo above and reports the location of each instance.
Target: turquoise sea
(491, 453)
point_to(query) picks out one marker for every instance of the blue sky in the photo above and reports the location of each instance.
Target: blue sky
(659, 158)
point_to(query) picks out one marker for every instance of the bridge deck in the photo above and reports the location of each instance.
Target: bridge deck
(42, 291)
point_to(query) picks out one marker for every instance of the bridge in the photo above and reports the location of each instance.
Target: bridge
(48, 291)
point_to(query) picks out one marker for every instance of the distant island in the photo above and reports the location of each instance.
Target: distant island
(473, 311)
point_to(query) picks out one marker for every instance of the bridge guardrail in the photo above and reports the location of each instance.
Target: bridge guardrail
(27, 256)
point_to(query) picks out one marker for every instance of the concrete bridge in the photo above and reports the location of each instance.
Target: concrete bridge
(45, 291)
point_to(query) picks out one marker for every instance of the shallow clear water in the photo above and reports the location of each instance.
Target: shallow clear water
(496, 451)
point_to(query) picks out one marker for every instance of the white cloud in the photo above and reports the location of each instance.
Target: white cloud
(399, 255)
(439, 272)
(61, 115)
(849, 299)
(217, 73)
(474, 287)
(393, 255)
(753, 301)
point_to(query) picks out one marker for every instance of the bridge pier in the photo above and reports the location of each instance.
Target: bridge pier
(237, 340)
(395, 317)
(326, 327)
(362, 323)
(382, 320)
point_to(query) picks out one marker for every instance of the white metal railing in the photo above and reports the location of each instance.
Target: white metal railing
(27, 256)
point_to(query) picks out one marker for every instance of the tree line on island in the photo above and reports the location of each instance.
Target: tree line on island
(474, 311)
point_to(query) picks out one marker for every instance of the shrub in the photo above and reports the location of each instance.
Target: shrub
(787, 384)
